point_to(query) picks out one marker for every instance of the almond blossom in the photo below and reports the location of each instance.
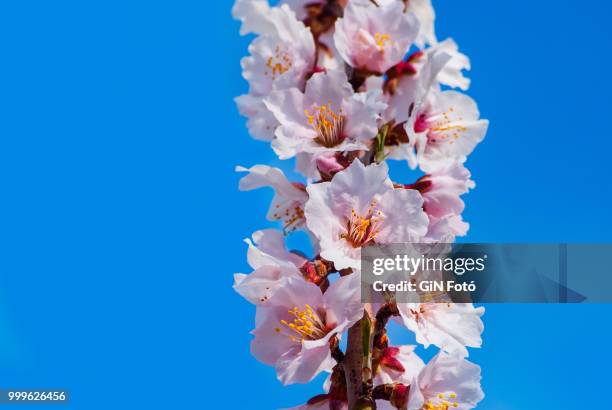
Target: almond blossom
(410, 90)
(255, 16)
(289, 197)
(320, 16)
(281, 57)
(359, 207)
(450, 326)
(329, 116)
(452, 72)
(375, 38)
(295, 326)
(426, 15)
(444, 126)
(341, 86)
(447, 382)
(441, 191)
(272, 264)
(260, 122)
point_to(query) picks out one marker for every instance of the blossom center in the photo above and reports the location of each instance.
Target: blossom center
(362, 229)
(442, 128)
(305, 325)
(442, 402)
(381, 40)
(278, 63)
(327, 123)
(292, 215)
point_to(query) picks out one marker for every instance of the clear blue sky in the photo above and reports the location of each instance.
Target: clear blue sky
(121, 223)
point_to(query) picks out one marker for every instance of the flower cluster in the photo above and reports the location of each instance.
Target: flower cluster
(341, 87)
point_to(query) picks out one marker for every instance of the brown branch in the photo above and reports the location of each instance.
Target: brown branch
(358, 365)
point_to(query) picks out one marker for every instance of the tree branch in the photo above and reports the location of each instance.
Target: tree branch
(358, 365)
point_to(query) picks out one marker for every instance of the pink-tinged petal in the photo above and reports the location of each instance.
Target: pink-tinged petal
(302, 365)
(254, 15)
(404, 218)
(424, 12)
(283, 55)
(259, 286)
(298, 293)
(320, 219)
(343, 301)
(359, 206)
(356, 186)
(330, 164)
(331, 87)
(374, 38)
(260, 121)
(452, 73)
(452, 379)
(289, 199)
(443, 187)
(269, 344)
(457, 225)
(363, 111)
(450, 326)
(384, 405)
(454, 128)
(306, 164)
(410, 98)
(270, 249)
(416, 399)
(274, 338)
(288, 107)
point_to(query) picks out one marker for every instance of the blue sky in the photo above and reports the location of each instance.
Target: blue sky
(121, 223)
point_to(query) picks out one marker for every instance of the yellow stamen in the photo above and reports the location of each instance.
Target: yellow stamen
(361, 230)
(381, 40)
(327, 123)
(279, 63)
(306, 325)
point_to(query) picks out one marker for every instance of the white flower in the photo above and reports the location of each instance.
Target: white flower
(444, 126)
(424, 12)
(375, 38)
(259, 18)
(359, 207)
(411, 90)
(272, 264)
(320, 16)
(289, 198)
(440, 64)
(450, 326)
(254, 16)
(447, 382)
(441, 191)
(440, 126)
(281, 57)
(327, 117)
(452, 72)
(294, 328)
